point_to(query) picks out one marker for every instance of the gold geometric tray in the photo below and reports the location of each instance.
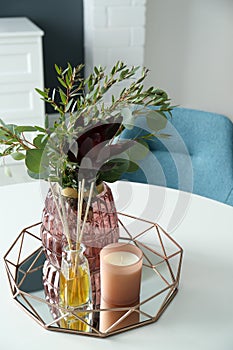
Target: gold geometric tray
(162, 259)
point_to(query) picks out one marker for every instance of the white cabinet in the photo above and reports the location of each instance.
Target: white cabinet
(21, 71)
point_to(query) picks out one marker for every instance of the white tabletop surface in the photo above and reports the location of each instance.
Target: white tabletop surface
(200, 316)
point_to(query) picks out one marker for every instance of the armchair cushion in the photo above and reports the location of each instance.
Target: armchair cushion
(197, 156)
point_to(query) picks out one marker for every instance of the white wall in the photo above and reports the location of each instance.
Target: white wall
(114, 30)
(189, 50)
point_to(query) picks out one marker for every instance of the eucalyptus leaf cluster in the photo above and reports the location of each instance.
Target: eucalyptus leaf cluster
(85, 141)
(76, 94)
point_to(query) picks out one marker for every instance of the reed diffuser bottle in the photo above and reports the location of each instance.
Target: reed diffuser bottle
(75, 281)
(75, 289)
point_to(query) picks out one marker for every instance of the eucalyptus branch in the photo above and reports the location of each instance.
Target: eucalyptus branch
(11, 136)
(28, 142)
(80, 94)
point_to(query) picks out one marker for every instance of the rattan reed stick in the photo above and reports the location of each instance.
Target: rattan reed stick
(66, 226)
(86, 212)
(62, 217)
(79, 211)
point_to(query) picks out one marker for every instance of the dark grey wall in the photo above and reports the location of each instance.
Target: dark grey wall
(62, 22)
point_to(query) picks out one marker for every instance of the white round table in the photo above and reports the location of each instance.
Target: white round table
(200, 316)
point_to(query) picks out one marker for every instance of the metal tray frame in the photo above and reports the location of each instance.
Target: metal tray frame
(33, 261)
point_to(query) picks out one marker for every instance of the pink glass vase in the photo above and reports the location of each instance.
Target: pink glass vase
(101, 228)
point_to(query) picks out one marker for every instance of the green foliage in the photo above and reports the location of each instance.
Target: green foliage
(77, 94)
(53, 151)
(18, 156)
(156, 121)
(112, 170)
(33, 160)
(23, 128)
(137, 151)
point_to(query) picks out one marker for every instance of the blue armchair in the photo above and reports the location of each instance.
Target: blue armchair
(197, 157)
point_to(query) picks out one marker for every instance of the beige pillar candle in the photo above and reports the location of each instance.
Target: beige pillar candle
(120, 269)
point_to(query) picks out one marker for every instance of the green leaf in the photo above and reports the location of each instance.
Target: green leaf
(43, 175)
(58, 69)
(163, 136)
(46, 122)
(62, 82)
(11, 127)
(33, 160)
(62, 95)
(112, 170)
(70, 70)
(42, 93)
(89, 82)
(18, 156)
(33, 175)
(68, 105)
(39, 128)
(132, 167)
(96, 70)
(3, 135)
(40, 141)
(2, 122)
(67, 79)
(25, 128)
(138, 151)
(156, 121)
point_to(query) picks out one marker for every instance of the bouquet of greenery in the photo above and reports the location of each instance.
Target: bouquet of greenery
(85, 141)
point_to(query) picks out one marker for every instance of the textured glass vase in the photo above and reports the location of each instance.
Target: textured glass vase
(101, 228)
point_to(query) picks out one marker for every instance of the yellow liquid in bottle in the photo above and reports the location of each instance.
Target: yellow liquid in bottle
(72, 322)
(75, 291)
